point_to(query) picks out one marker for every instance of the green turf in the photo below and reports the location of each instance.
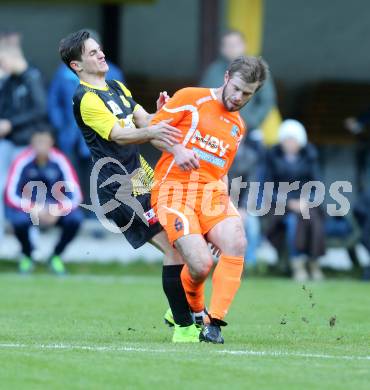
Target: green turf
(76, 332)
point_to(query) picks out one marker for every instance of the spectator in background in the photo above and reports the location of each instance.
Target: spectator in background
(22, 106)
(59, 206)
(294, 159)
(69, 136)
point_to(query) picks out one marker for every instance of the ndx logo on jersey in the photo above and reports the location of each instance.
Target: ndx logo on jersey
(210, 143)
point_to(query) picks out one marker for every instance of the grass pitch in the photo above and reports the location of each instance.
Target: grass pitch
(94, 332)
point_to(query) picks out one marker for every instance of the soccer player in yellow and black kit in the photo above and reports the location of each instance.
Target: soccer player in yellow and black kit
(113, 124)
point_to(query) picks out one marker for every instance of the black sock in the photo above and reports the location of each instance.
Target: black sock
(68, 234)
(175, 293)
(21, 232)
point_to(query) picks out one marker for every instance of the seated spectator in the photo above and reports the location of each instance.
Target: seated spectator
(294, 159)
(22, 107)
(42, 189)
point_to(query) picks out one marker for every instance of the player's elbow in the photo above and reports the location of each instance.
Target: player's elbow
(116, 136)
(119, 138)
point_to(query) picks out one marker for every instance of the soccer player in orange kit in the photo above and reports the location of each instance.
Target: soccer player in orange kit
(193, 206)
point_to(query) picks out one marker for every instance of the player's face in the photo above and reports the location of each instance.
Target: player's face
(92, 59)
(236, 92)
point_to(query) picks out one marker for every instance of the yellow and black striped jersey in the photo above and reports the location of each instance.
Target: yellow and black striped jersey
(96, 111)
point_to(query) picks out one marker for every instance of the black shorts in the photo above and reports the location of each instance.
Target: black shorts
(138, 233)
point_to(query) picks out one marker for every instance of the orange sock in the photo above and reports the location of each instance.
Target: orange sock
(194, 290)
(225, 284)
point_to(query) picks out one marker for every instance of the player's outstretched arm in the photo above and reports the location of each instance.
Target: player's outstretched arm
(97, 116)
(161, 131)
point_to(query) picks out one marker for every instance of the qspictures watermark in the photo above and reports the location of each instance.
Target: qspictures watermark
(263, 197)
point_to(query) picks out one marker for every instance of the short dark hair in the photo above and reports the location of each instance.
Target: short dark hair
(251, 69)
(44, 128)
(72, 46)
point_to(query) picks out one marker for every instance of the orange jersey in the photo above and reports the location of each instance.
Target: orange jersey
(207, 127)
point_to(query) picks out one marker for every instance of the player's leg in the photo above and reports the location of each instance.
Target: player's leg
(227, 274)
(184, 329)
(137, 234)
(183, 230)
(198, 262)
(171, 280)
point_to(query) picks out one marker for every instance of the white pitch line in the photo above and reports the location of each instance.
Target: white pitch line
(126, 279)
(107, 348)
(294, 354)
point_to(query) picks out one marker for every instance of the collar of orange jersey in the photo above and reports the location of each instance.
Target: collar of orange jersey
(213, 93)
(94, 86)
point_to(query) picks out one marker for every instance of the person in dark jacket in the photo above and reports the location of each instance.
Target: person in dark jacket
(22, 109)
(43, 189)
(294, 159)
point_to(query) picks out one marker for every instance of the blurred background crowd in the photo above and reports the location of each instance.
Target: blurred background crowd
(309, 122)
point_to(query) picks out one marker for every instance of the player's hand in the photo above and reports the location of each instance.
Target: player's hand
(162, 100)
(164, 132)
(185, 158)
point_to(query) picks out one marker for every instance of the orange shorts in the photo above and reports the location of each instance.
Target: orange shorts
(191, 212)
